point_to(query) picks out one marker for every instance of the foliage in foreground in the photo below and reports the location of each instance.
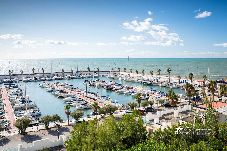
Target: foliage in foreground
(22, 124)
(110, 134)
(129, 134)
(214, 137)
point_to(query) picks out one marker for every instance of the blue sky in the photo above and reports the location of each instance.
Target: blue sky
(113, 28)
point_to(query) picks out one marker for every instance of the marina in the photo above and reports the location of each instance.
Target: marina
(112, 75)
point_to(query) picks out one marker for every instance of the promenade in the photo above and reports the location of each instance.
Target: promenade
(8, 108)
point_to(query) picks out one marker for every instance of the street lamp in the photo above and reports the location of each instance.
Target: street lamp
(86, 83)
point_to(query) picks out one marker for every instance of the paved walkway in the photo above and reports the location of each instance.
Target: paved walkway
(11, 142)
(8, 108)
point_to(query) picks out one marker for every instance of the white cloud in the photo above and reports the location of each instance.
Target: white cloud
(24, 43)
(62, 42)
(73, 43)
(221, 45)
(11, 36)
(157, 34)
(133, 38)
(203, 14)
(149, 13)
(56, 42)
(106, 44)
(138, 26)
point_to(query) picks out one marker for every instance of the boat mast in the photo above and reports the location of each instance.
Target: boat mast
(51, 67)
(208, 72)
(25, 96)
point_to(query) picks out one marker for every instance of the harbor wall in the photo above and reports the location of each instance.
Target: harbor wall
(42, 144)
(20, 76)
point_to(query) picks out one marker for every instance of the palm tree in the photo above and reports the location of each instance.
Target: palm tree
(190, 91)
(72, 72)
(95, 107)
(191, 76)
(10, 76)
(88, 69)
(169, 71)
(43, 71)
(119, 69)
(33, 71)
(132, 105)
(152, 73)
(179, 77)
(98, 71)
(138, 98)
(143, 72)
(204, 79)
(212, 86)
(159, 71)
(67, 112)
(21, 72)
(223, 90)
(137, 72)
(172, 97)
(63, 72)
(130, 70)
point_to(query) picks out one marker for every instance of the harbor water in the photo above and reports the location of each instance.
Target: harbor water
(49, 104)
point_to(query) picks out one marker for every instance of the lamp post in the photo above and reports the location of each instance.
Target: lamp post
(10, 77)
(86, 82)
(58, 126)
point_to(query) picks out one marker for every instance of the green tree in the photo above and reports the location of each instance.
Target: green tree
(223, 90)
(191, 76)
(22, 124)
(43, 71)
(137, 72)
(110, 134)
(88, 69)
(98, 71)
(63, 73)
(132, 130)
(77, 114)
(119, 69)
(138, 98)
(204, 80)
(132, 105)
(130, 70)
(67, 111)
(46, 120)
(143, 72)
(173, 98)
(109, 109)
(190, 91)
(33, 71)
(169, 71)
(95, 107)
(145, 103)
(179, 78)
(152, 73)
(159, 71)
(212, 86)
(56, 118)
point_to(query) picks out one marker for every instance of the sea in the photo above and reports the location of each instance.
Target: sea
(216, 68)
(49, 104)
